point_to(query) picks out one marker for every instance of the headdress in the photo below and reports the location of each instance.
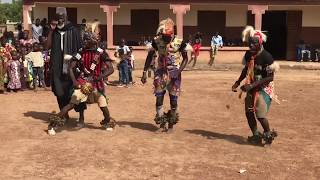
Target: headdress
(166, 27)
(249, 31)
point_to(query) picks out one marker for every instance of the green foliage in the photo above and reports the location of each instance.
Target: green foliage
(12, 12)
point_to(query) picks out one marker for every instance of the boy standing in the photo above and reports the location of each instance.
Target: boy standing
(37, 65)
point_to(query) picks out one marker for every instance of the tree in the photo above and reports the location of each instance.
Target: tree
(11, 12)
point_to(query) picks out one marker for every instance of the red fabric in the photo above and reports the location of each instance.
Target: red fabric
(259, 36)
(87, 60)
(196, 49)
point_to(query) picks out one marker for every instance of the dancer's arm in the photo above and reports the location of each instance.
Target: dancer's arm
(147, 65)
(257, 84)
(184, 56)
(107, 71)
(71, 73)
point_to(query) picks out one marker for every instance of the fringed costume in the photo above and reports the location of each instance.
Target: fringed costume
(172, 59)
(258, 74)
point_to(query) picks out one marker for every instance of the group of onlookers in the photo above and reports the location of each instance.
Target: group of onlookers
(305, 52)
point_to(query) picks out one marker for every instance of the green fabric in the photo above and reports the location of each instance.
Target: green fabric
(266, 98)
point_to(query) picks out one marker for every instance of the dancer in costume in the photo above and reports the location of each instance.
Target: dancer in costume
(87, 72)
(172, 59)
(258, 74)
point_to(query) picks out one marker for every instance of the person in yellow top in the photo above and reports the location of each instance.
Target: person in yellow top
(37, 60)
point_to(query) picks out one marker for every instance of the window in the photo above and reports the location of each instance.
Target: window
(144, 21)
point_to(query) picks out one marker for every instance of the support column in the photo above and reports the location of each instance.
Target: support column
(179, 10)
(26, 16)
(258, 11)
(109, 10)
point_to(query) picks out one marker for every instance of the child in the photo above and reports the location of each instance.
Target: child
(196, 51)
(37, 66)
(122, 52)
(46, 59)
(23, 67)
(105, 57)
(130, 65)
(13, 68)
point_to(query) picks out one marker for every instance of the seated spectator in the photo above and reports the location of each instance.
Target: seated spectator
(317, 53)
(302, 50)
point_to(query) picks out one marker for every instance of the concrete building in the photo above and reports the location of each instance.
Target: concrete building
(286, 21)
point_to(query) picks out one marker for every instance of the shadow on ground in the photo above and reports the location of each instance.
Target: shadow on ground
(214, 135)
(71, 124)
(139, 125)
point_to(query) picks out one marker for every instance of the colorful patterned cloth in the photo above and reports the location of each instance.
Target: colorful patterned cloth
(167, 77)
(14, 74)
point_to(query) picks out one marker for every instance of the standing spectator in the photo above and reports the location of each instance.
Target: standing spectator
(20, 32)
(46, 58)
(25, 40)
(83, 27)
(3, 61)
(37, 66)
(198, 36)
(13, 68)
(45, 26)
(302, 50)
(10, 38)
(317, 53)
(122, 52)
(60, 54)
(216, 42)
(37, 30)
(23, 68)
(131, 60)
(196, 51)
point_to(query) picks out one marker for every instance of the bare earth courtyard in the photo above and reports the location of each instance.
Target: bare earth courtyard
(209, 141)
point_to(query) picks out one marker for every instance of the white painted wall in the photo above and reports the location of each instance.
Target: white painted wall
(123, 15)
(236, 15)
(310, 14)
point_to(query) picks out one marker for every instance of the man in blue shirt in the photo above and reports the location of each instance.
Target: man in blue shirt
(216, 42)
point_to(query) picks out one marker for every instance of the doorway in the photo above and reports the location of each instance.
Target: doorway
(274, 23)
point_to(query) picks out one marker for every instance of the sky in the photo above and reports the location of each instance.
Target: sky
(5, 1)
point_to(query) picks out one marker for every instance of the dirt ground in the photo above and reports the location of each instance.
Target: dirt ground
(209, 142)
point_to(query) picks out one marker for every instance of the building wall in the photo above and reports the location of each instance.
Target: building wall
(87, 11)
(310, 14)
(310, 22)
(236, 17)
(123, 16)
(235, 14)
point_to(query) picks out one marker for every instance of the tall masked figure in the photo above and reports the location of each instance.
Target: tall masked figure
(258, 74)
(64, 41)
(172, 59)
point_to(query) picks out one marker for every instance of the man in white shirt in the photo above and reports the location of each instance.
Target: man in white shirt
(36, 31)
(122, 52)
(216, 42)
